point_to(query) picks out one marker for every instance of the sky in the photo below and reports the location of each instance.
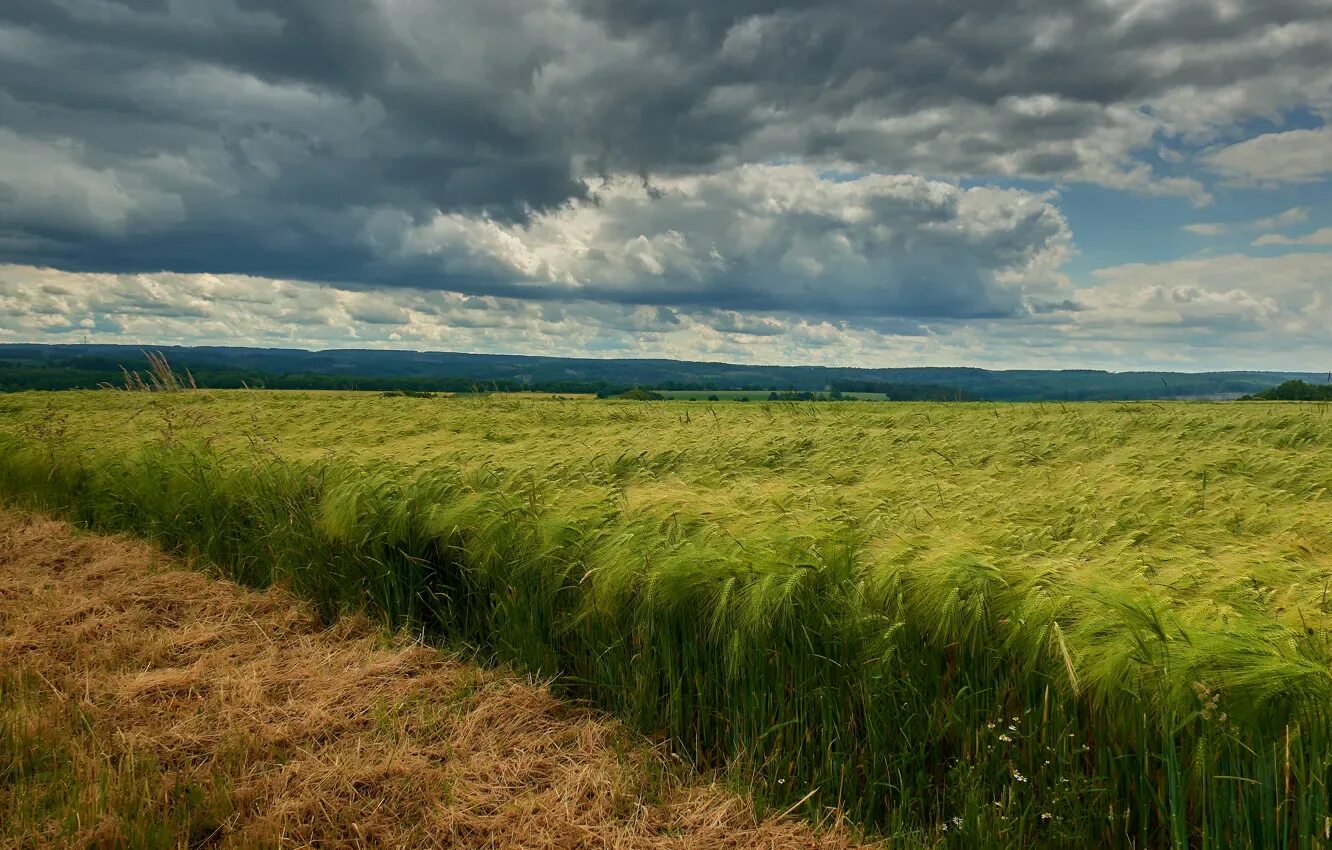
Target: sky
(1117, 184)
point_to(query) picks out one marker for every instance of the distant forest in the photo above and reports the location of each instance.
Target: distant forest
(1294, 391)
(57, 367)
(92, 372)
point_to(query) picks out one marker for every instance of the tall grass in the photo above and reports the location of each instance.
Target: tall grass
(160, 377)
(959, 695)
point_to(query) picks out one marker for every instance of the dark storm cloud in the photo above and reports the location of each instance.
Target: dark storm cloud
(252, 85)
(269, 137)
(818, 61)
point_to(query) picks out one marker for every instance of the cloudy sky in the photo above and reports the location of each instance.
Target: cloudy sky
(1007, 183)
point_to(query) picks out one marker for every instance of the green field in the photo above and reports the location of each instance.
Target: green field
(723, 395)
(971, 625)
(748, 395)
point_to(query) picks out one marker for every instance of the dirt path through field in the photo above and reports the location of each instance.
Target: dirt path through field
(144, 703)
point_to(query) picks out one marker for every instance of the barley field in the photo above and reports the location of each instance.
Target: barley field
(962, 624)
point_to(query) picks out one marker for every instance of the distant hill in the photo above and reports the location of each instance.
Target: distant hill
(35, 366)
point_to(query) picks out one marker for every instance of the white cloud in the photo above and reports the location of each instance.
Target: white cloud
(1238, 301)
(1294, 215)
(1322, 236)
(772, 237)
(1281, 220)
(1292, 156)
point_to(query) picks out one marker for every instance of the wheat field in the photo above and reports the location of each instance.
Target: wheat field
(959, 624)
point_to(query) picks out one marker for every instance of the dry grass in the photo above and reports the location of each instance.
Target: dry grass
(291, 735)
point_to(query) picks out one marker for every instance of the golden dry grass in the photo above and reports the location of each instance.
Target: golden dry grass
(303, 737)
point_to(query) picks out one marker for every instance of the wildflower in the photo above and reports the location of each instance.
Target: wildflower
(1019, 777)
(1005, 738)
(1046, 816)
(957, 821)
